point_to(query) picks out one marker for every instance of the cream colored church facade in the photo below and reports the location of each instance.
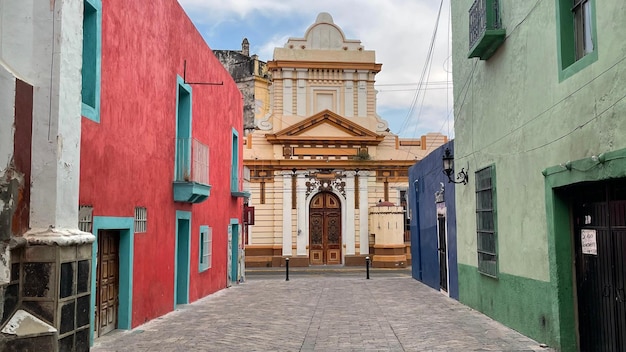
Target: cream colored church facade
(322, 161)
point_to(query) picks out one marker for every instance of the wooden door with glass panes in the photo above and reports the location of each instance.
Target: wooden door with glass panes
(325, 229)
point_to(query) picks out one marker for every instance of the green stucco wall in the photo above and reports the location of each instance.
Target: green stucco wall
(519, 112)
(517, 302)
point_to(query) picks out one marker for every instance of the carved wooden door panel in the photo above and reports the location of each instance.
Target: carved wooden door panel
(107, 285)
(325, 230)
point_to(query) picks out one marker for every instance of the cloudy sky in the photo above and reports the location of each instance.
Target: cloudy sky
(400, 31)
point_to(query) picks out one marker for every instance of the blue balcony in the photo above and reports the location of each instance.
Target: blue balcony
(191, 182)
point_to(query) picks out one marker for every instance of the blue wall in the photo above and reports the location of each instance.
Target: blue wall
(425, 178)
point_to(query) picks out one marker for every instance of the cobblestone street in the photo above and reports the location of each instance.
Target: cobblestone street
(342, 312)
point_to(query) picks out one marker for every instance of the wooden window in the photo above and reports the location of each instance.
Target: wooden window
(582, 27)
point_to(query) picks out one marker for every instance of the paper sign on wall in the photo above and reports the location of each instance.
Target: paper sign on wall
(588, 241)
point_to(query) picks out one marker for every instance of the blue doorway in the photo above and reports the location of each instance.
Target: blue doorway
(234, 257)
(181, 273)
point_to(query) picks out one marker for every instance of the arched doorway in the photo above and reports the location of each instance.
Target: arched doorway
(325, 229)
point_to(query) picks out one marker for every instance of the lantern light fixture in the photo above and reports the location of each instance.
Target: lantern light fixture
(448, 169)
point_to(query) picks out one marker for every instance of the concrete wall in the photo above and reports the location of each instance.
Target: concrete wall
(128, 158)
(519, 112)
(41, 44)
(40, 99)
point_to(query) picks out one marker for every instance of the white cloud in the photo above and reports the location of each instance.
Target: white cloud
(399, 31)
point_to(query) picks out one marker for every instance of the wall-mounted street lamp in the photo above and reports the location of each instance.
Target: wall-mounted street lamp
(448, 168)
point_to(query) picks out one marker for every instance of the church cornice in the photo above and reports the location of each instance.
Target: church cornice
(288, 164)
(366, 66)
(357, 134)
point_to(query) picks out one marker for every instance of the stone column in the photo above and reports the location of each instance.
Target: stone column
(287, 221)
(363, 212)
(350, 228)
(348, 77)
(287, 92)
(362, 94)
(302, 97)
(303, 228)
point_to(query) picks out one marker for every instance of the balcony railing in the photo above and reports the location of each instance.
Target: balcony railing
(191, 179)
(196, 167)
(200, 164)
(485, 28)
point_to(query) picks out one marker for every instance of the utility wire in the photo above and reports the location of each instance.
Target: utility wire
(425, 69)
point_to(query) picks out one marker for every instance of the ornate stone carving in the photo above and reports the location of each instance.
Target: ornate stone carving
(313, 184)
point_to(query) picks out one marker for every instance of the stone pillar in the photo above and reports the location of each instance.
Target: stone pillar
(363, 213)
(303, 229)
(362, 94)
(387, 224)
(348, 77)
(287, 221)
(287, 92)
(302, 98)
(350, 228)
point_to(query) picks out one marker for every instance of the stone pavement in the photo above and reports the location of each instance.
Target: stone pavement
(321, 312)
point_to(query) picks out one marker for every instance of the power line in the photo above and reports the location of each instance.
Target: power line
(425, 69)
(548, 109)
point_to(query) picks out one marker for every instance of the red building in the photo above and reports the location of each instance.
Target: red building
(160, 175)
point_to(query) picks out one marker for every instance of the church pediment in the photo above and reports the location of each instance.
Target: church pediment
(325, 126)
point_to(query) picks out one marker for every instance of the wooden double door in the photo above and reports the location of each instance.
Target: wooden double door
(325, 229)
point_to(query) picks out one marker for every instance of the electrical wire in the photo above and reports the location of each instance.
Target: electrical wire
(425, 70)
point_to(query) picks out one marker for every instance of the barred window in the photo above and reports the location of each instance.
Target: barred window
(141, 219)
(85, 218)
(486, 243)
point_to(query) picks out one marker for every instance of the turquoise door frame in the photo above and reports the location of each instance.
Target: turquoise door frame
(182, 253)
(126, 226)
(234, 257)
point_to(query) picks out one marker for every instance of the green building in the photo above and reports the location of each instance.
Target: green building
(540, 123)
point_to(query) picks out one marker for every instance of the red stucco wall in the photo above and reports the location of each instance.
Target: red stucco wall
(127, 159)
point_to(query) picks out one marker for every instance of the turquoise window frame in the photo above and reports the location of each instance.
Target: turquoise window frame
(205, 244)
(91, 59)
(234, 167)
(233, 230)
(184, 103)
(126, 259)
(566, 42)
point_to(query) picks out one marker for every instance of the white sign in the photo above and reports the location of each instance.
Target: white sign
(588, 242)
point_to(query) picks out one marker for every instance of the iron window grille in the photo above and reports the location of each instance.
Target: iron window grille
(141, 219)
(486, 222)
(85, 218)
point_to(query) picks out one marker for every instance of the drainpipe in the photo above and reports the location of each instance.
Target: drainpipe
(417, 227)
